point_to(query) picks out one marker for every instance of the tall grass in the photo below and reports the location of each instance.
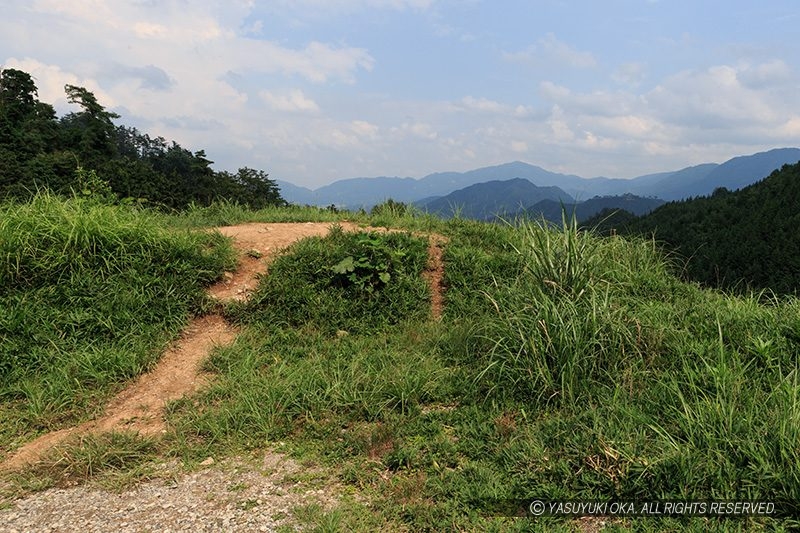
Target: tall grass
(89, 295)
(563, 323)
(669, 391)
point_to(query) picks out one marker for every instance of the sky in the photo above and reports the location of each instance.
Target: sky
(312, 91)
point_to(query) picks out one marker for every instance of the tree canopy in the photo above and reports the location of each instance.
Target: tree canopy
(732, 240)
(40, 150)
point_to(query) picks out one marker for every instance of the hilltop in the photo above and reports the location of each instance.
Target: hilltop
(563, 366)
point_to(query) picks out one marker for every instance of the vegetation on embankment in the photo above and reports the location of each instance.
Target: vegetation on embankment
(566, 366)
(89, 296)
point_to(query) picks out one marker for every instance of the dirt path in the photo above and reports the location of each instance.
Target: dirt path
(140, 407)
(434, 274)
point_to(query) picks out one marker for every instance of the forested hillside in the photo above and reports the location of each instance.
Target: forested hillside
(39, 150)
(486, 201)
(732, 239)
(550, 210)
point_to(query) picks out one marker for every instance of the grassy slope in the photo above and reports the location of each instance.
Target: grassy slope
(565, 366)
(89, 296)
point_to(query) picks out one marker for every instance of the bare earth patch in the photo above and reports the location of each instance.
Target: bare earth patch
(198, 501)
(434, 274)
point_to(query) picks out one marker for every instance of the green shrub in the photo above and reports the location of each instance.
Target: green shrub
(345, 281)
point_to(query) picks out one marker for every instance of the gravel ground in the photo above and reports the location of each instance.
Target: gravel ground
(230, 496)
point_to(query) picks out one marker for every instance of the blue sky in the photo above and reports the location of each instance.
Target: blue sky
(314, 90)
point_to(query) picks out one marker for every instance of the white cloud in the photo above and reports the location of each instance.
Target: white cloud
(294, 101)
(485, 105)
(199, 40)
(364, 128)
(604, 103)
(165, 63)
(714, 98)
(769, 74)
(559, 126)
(632, 74)
(419, 130)
(51, 79)
(551, 49)
(519, 146)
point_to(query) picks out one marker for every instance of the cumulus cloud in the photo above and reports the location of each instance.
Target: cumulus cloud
(769, 74)
(601, 102)
(51, 79)
(294, 101)
(550, 49)
(632, 74)
(148, 77)
(712, 99)
(485, 105)
(365, 129)
(419, 130)
(165, 62)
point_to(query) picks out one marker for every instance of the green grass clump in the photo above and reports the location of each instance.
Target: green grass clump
(89, 295)
(564, 321)
(116, 460)
(346, 281)
(274, 380)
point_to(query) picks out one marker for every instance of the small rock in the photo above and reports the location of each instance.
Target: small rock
(207, 462)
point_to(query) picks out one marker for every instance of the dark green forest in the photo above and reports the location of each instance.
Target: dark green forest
(85, 149)
(740, 240)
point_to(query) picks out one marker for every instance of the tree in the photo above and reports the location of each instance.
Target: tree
(254, 188)
(18, 96)
(90, 131)
(39, 150)
(28, 128)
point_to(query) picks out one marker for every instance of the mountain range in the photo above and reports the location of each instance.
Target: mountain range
(433, 190)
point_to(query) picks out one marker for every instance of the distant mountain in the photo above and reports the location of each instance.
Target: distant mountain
(551, 210)
(295, 194)
(366, 192)
(745, 170)
(678, 185)
(488, 200)
(685, 183)
(750, 237)
(354, 193)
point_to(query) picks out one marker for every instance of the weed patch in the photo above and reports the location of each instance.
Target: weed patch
(347, 282)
